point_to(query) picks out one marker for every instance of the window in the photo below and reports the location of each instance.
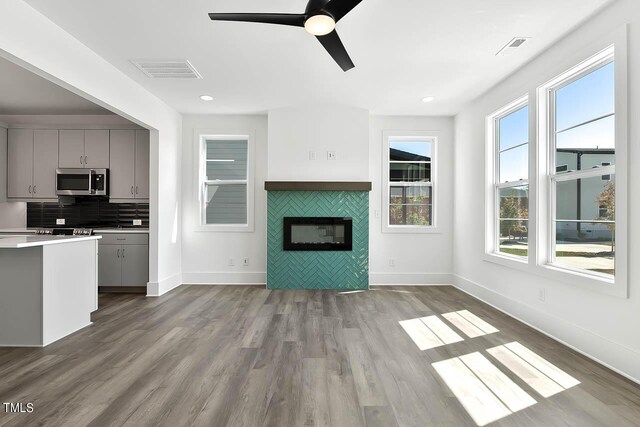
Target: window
(582, 135)
(511, 175)
(225, 192)
(409, 188)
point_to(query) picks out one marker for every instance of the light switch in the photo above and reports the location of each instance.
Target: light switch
(137, 222)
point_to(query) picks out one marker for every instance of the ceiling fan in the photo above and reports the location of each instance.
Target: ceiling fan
(319, 19)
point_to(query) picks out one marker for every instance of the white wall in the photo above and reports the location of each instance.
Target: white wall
(12, 215)
(602, 326)
(418, 258)
(205, 254)
(34, 42)
(293, 132)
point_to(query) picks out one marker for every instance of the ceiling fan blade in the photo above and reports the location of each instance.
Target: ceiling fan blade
(336, 49)
(295, 20)
(339, 8)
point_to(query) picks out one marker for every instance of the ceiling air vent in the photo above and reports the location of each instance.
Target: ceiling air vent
(510, 47)
(168, 69)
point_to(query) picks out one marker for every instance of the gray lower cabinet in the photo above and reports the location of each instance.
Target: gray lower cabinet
(123, 260)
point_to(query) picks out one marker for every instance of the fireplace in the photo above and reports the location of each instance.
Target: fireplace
(317, 234)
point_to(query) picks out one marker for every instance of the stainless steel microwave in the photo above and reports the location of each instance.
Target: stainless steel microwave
(82, 182)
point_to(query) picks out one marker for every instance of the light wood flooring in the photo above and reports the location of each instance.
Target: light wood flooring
(247, 356)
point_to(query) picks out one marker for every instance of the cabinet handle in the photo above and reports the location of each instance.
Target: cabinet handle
(118, 253)
(123, 253)
(34, 189)
(85, 160)
(29, 189)
(136, 189)
(132, 189)
(80, 159)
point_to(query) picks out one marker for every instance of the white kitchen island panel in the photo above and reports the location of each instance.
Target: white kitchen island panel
(47, 291)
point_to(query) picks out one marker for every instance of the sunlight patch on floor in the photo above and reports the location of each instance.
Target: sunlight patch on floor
(470, 324)
(430, 332)
(485, 392)
(544, 377)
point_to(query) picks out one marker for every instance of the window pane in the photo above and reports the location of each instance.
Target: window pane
(410, 205)
(513, 222)
(226, 159)
(226, 204)
(412, 151)
(410, 172)
(514, 129)
(514, 164)
(585, 224)
(587, 146)
(587, 98)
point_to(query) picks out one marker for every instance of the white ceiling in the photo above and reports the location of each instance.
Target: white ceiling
(403, 50)
(23, 92)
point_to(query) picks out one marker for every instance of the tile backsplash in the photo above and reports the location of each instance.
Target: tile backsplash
(87, 212)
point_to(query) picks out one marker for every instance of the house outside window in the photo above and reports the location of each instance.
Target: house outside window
(225, 190)
(582, 136)
(409, 173)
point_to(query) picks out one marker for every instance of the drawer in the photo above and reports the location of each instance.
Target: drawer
(124, 239)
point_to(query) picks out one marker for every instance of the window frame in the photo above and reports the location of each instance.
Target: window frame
(416, 136)
(492, 211)
(547, 178)
(200, 138)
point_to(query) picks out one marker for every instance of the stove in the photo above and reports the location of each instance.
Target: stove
(65, 231)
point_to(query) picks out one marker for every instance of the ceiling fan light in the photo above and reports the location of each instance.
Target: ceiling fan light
(320, 25)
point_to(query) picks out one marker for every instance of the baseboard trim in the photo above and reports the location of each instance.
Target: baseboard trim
(156, 289)
(410, 279)
(225, 278)
(626, 356)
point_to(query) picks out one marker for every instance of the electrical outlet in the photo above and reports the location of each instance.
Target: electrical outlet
(231, 262)
(245, 262)
(392, 263)
(331, 155)
(542, 294)
(60, 221)
(312, 155)
(137, 222)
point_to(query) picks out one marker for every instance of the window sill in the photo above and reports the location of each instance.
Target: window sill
(410, 229)
(220, 228)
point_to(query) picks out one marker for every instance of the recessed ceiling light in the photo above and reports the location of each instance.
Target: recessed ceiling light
(428, 99)
(206, 97)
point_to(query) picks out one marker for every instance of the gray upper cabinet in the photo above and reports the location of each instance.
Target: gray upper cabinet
(71, 149)
(45, 162)
(84, 149)
(20, 163)
(96, 149)
(129, 164)
(142, 164)
(122, 155)
(31, 163)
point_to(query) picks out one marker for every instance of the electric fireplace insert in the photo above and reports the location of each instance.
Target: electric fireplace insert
(317, 234)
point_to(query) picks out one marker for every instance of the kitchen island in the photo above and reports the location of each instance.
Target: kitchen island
(48, 287)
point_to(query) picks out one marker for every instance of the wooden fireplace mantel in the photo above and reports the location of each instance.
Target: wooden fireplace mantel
(317, 185)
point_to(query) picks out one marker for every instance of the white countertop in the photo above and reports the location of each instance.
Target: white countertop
(95, 230)
(121, 230)
(16, 242)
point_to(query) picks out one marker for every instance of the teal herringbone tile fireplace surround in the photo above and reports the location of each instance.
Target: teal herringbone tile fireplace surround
(343, 270)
